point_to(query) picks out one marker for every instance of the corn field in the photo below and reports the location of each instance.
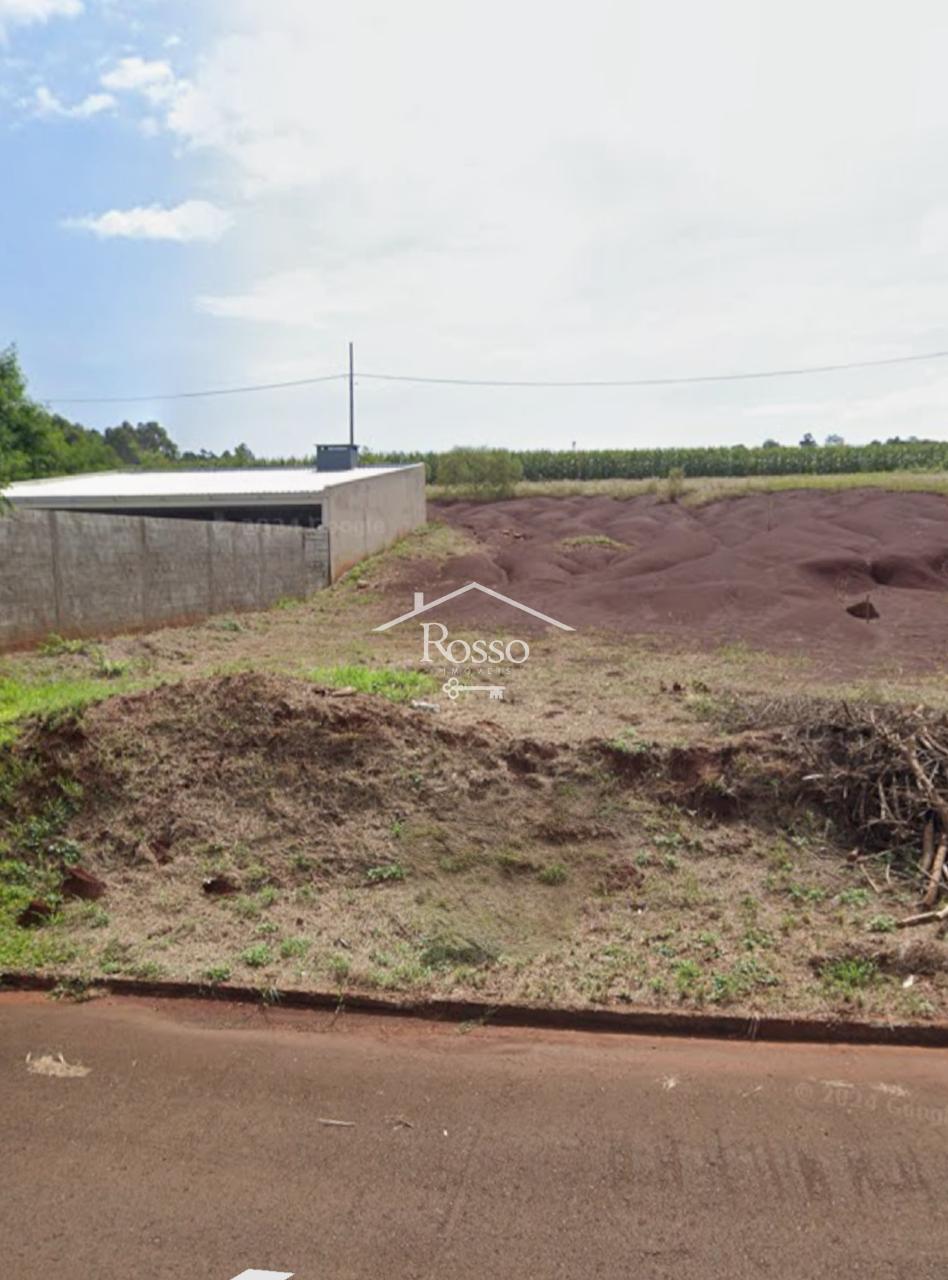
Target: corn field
(737, 460)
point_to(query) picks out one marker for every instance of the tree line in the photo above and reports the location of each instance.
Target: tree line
(35, 442)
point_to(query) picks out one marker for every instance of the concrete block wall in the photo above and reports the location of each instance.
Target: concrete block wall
(79, 574)
(365, 516)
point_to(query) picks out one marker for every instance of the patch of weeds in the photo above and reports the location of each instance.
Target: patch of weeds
(755, 939)
(805, 893)
(914, 1005)
(397, 686)
(553, 874)
(882, 924)
(669, 840)
(629, 743)
(111, 668)
(146, 970)
(303, 863)
(339, 966)
(744, 977)
(457, 862)
(386, 874)
(446, 950)
(674, 487)
(853, 898)
(848, 977)
(688, 975)
(266, 929)
(91, 914)
(257, 956)
(515, 864)
(56, 646)
(217, 973)
(65, 851)
(710, 942)
(76, 990)
(224, 624)
(291, 947)
(115, 956)
(407, 973)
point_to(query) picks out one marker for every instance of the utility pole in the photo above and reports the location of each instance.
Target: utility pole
(352, 438)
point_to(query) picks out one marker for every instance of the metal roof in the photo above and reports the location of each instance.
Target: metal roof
(133, 488)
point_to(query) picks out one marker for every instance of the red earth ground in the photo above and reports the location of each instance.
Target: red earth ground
(773, 571)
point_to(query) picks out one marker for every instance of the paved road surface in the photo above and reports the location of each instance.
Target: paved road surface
(193, 1150)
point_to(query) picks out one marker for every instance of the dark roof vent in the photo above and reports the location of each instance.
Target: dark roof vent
(337, 457)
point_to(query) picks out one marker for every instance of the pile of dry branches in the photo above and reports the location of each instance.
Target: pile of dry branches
(883, 772)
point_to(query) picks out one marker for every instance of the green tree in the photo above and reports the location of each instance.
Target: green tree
(34, 442)
(480, 472)
(145, 445)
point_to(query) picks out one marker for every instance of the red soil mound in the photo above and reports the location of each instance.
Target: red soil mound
(773, 570)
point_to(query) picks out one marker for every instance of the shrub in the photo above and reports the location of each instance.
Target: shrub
(488, 473)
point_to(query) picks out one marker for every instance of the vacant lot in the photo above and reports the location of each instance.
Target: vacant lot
(632, 825)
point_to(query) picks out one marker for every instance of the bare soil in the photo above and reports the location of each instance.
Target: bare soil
(779, 571)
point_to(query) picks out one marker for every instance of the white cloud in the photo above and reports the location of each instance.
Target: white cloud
(46, 104)
(23, 12)
(619, 189)
(155, 79)
(190, 221)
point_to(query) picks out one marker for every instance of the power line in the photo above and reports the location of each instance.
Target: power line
(511, 382)
(660, 382)
(195, 395)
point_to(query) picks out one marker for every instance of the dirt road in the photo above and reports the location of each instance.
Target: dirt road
(195, 1148)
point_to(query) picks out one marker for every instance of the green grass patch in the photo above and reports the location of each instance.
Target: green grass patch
(56, 646)
(386, 874)
(256, 957)
(447, 950)
(27, 948)
(398, 686)
(848, 976)
(22, 698)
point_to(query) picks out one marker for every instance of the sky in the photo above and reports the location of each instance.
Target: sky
(212, 193)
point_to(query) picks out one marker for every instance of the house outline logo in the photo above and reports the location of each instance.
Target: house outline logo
(421, 607)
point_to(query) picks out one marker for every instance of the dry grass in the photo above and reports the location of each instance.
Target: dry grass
(700, 490)
(55, 1065)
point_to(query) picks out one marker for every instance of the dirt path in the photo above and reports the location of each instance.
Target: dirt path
(195, 1149)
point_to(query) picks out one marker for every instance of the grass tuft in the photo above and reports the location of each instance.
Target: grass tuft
(398, 686)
